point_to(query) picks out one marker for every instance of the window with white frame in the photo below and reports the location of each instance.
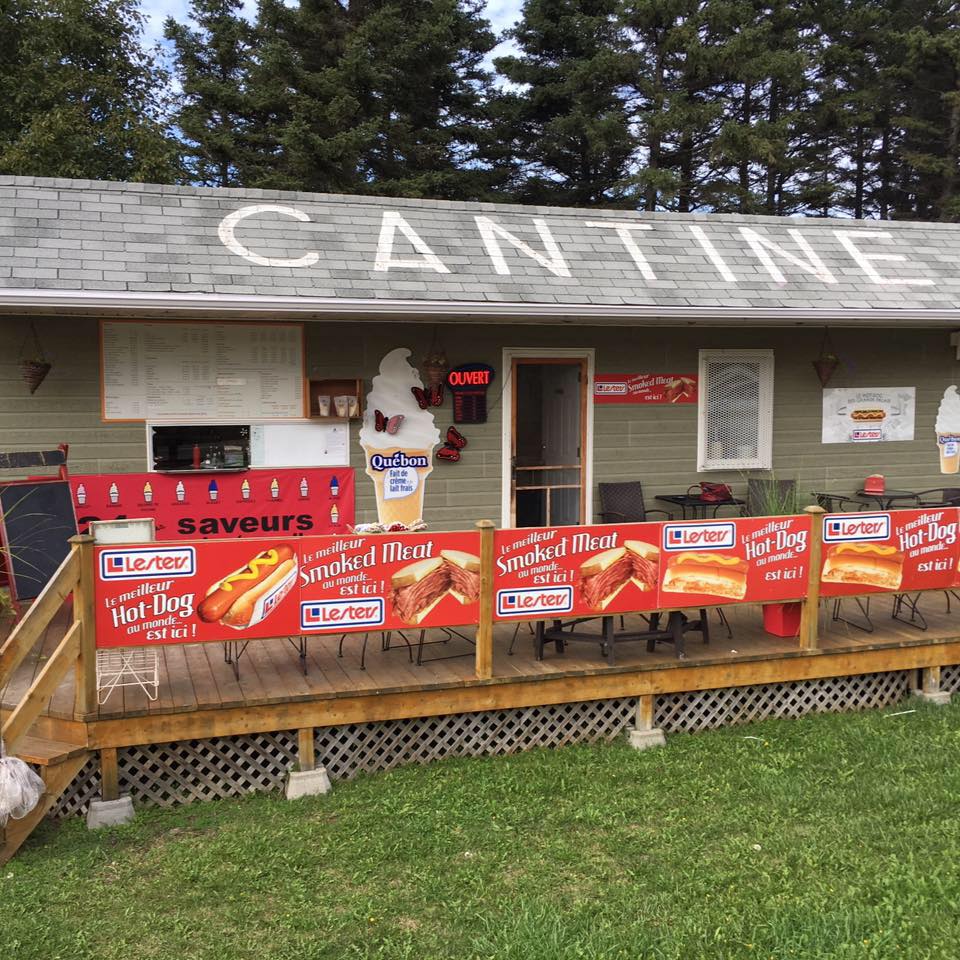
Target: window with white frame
(735, 415)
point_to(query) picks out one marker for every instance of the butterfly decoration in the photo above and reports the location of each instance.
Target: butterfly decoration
(429, 397)
(455, 442)
(384, 424)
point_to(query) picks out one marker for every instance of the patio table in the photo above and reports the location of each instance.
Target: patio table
(885, 500)
(696, 504)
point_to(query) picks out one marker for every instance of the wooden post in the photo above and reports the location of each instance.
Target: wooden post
(83, 613)
(810, 614)
(306, 750)
(109, 774)
(644, 719)
(931, 680)
(484, 667)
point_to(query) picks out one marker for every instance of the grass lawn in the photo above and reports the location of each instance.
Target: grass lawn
(826, 837)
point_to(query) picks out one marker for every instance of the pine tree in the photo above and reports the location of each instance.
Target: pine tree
(677, 100)
(565, 134)
(79, 97)
(415, 69)
(212, 62)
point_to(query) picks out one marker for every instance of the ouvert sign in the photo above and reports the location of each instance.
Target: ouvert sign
(865, 251)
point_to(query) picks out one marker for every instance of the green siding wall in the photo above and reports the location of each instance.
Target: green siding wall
(656, 444)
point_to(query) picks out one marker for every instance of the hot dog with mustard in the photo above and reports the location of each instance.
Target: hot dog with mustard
(233, 599)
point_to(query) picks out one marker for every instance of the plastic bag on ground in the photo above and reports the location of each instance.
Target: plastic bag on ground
(20, 788)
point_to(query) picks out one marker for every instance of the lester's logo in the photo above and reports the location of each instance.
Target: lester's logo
(145, 563)
(517, 603)
(856, 526)
(335, 614)
(613, 389)
(721, 535)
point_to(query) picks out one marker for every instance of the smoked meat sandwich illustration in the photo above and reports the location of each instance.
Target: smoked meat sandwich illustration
(420, 586)
(605, 574)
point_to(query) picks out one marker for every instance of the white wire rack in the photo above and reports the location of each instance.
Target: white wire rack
(128, 667)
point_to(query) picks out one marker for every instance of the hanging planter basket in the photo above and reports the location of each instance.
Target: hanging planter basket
(828, 362)
(34, 365)
(435, 364)
(35, 372)
(826, 367)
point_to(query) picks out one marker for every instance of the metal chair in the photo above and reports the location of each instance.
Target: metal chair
(939, 497)
(623, 503)
(839, 502)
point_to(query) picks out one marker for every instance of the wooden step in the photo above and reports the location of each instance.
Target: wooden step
(57, 778)
(46, 753)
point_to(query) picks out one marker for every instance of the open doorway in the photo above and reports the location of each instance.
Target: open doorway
(549, 441)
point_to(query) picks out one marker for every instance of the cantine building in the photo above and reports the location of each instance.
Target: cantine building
(202, 329)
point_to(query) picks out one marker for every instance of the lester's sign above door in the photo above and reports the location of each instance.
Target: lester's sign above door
(645, 388)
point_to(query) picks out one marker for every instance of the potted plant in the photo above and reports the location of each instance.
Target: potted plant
(770, 497)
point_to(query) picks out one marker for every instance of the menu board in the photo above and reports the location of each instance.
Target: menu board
(202, 371)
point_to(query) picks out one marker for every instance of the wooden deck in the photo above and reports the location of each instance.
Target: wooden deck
(199, 694)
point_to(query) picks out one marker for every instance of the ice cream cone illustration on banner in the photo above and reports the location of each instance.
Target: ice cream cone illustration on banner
(948, 431)
(400, 455)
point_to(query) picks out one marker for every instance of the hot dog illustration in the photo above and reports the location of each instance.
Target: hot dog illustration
(251, 593)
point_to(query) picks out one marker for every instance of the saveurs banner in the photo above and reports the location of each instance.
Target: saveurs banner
(575, 571)
(221, 590)
(252, 503)
(390, 583)
(901, 551)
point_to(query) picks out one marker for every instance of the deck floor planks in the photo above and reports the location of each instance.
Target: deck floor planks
(194, 676)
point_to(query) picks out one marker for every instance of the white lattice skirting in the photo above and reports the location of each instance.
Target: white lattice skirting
(167, 774)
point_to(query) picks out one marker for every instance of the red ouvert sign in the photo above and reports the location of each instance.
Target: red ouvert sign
(251, 503)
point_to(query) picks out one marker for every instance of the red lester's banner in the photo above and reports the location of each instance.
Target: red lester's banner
(902, 552)
(152, 593)
(158, 593)
(751, 559)
(575, 571)
(251, 503)
(389, 582)
(645, 388)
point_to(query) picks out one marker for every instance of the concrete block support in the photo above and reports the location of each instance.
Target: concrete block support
(930, 687)
(306, 783)
(109, 813)
(644, 735)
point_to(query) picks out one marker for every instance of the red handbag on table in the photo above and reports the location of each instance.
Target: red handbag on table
(712, 492)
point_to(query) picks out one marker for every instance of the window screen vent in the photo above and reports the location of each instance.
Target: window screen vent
(736, 410)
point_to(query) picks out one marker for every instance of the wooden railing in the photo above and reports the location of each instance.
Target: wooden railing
(76, 650)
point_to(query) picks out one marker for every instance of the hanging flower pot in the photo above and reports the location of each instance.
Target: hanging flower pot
(34, 372)
(435, 364)
(33, 363)
(827, 363)
(826, 367)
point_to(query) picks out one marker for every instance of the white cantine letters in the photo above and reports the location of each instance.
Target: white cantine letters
(494, 237)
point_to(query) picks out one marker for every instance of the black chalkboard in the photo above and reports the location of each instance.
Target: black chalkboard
(36, 522)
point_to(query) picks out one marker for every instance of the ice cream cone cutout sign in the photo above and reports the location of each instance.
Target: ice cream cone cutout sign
(399, 459)
(948, 431)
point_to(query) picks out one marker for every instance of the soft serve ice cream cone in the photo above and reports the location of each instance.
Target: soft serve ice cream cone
(398, 463)
(948, 431)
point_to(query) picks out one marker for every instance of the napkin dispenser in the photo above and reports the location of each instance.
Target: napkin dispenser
(875, 483)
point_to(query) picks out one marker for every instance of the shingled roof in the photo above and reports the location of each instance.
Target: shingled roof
(86, 245)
